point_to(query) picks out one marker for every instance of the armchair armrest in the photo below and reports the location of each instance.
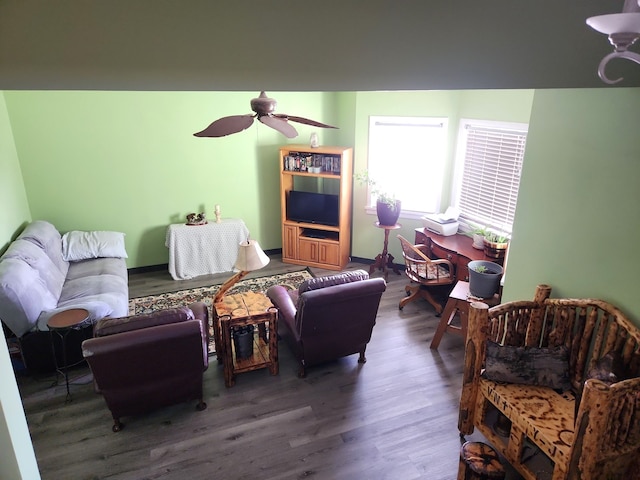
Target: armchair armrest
(279, 296)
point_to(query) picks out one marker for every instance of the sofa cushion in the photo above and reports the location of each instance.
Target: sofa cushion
(47, 237)
(110, 326)
(36, 258)
(23, 295)
(331, 280)
(78, 245)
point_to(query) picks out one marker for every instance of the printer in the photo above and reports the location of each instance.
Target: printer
(445, 224)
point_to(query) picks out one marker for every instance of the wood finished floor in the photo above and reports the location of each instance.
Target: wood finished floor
(394, 417)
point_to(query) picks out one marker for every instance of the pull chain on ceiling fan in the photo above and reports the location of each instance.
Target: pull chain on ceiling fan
(263, 107)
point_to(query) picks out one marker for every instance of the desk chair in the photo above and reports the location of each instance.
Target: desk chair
(427, 273)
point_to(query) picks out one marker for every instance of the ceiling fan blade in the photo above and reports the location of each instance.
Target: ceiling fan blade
(304, 120)
(226, 126)
(280, 125)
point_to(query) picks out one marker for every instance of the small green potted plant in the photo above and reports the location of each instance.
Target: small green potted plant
(484, 278)
(478, 233)
(495, 245)
(387, 205)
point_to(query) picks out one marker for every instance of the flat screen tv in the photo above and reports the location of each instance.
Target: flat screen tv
(308, 207)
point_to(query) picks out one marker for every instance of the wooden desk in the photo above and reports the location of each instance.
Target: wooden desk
(239, 310)
(455, 248)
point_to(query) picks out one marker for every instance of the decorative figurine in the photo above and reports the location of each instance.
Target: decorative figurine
(218, 216)
(196, 219)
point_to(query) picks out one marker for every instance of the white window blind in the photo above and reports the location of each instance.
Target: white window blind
(407, 157)
(491, 156)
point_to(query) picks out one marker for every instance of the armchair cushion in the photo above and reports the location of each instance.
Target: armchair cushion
(331, 280)
(110, 326)
(544, 367)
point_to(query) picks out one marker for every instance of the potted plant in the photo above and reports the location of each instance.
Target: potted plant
(387, 205)
(484, 278)
(495, 245)
(478, 233)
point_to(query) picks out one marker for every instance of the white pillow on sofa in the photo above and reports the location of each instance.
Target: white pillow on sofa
(78, 245)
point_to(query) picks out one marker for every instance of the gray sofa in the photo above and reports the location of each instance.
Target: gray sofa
(37, 281)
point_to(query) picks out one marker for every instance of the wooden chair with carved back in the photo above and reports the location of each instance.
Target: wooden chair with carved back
(425, 274)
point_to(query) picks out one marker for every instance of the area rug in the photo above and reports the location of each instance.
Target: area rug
(152, 303)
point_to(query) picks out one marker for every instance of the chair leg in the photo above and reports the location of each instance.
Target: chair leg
(302, 371)
(413, 293)
(362, 358)
(424, 293)
(117, 425)
(418, 291)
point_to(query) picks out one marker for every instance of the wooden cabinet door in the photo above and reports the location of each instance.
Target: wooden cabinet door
(308, 250)
(318, 251)
(329, 253)
(290, 242)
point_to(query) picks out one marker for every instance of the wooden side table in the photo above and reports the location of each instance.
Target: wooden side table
(240, 310)
(61, 324)
(384, 260)
(458, 304)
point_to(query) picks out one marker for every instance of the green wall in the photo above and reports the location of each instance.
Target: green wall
(504, 105)
(578, 223)
(128, 161)
(14, 210)
(18, 457)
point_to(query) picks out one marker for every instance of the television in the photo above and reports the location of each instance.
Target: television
(309, 207)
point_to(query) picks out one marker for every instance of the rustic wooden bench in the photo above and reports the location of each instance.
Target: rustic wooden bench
(544, 433)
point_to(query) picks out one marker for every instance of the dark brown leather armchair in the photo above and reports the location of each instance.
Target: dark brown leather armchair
(145, 362)
(328, 317)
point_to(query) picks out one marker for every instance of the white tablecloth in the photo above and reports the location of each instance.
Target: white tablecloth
(204, 249)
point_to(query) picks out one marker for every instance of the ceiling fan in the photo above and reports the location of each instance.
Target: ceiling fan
(263, 107)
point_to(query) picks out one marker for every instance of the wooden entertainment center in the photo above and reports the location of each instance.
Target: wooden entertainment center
(326, 170)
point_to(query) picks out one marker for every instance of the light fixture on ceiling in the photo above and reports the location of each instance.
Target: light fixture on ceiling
(623, 30)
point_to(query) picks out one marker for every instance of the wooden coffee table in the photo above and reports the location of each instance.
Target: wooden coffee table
(239, 310)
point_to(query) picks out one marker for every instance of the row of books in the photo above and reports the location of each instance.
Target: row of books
(312, 163)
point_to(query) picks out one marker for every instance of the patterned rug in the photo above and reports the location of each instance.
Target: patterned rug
(152, 303)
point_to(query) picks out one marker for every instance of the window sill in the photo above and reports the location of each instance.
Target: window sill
(409, 214)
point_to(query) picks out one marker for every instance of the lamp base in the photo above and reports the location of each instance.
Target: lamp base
(228, 284)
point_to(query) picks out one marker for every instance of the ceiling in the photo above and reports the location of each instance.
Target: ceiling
(298, 45)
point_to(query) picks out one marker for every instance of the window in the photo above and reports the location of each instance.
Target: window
(407, 156)
(488, 167)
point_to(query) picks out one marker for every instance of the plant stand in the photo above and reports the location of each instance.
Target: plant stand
(384, 260)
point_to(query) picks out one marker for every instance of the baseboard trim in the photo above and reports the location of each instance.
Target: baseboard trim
(165, 266)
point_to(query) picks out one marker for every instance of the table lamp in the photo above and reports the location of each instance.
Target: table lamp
(250, 257)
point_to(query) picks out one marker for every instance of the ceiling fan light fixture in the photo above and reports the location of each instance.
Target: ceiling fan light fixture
(264, 108)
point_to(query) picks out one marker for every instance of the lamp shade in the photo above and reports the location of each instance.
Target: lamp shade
(251, 257)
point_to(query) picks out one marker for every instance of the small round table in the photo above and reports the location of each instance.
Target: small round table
(384, 260)
(61, 324)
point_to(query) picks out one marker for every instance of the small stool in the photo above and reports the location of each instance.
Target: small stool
(479, 461)
(458, 304)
